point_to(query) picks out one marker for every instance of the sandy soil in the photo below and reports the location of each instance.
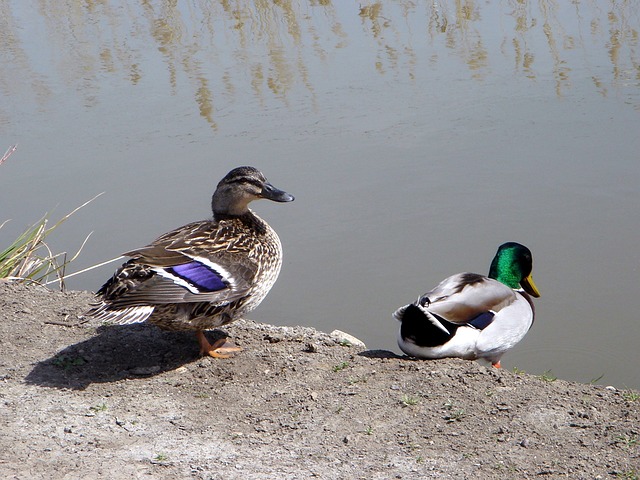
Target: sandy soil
(82, 400)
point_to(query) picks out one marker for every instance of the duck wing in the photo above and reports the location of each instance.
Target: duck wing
(194, 263)
(468, 298)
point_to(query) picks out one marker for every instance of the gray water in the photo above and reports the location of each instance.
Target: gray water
(415, 137)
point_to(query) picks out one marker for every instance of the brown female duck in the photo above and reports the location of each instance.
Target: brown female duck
(204, 274)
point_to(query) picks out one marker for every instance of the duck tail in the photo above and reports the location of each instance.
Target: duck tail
(423, 327)
(121, 316)
(416, 314)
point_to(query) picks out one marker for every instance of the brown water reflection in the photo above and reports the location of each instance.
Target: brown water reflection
(274, 43)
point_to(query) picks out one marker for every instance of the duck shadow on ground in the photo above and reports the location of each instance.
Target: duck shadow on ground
(117, 353)
(382, 354)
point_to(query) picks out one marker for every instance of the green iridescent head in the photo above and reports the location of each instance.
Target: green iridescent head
(512, 266)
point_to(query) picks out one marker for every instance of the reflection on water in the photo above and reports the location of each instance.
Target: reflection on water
(276, 44)
(416, 136)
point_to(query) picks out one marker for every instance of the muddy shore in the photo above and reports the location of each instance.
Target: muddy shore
(83, 400)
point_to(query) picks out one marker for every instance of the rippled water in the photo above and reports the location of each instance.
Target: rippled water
(416, 139)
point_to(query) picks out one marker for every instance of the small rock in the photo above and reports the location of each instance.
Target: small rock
(524, 443)
(311, 348)
(347, 339)
(613, 389)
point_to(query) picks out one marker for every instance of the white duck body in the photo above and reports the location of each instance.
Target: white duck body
(467, 316)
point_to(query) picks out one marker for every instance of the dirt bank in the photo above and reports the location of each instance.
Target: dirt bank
(82, 400)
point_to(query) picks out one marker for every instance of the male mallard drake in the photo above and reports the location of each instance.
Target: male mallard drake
(472, 316)
(204, 274)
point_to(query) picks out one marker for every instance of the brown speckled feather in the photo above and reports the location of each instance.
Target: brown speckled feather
(203, 274)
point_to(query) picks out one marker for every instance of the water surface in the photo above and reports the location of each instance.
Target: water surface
(415, 137)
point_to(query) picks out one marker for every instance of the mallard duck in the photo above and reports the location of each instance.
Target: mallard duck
(471, 316)
(204, 274)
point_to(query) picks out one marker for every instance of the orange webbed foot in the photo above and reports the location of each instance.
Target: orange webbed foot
(221, 348)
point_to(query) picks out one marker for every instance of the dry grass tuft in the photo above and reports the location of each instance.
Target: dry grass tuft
(30, 260)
